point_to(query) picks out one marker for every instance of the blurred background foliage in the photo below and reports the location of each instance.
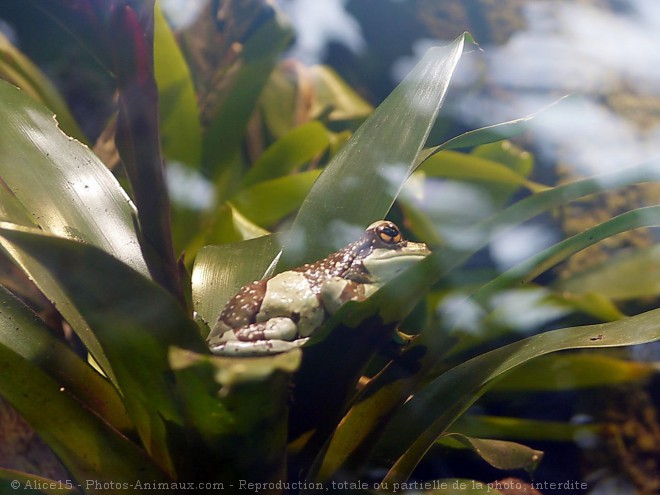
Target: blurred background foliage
(256, 98)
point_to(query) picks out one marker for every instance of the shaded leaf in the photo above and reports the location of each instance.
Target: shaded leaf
(19, 70)
(623, 277)
(134, 320)
(498, 453)
(26, 335)
(522, 429)
(574, 371)
(421, 420)
(241, 415)
(85, 444)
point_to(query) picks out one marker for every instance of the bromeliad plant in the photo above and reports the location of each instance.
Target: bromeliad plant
(156, 406)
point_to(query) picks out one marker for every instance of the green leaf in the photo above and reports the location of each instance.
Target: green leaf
(136, 323)
(246, 80)
(220, 271)
(498, 453)
(19, 70)
(522, 429)
(241, 415)
(623, 277)
(180, 129)
(26, 335)
(271, 200)
(574, 371)
(334, 98)
(289, 153)
(453, 165)
(421, 420)
(539, 263)
(85, 444)
(363, 179)
(66, 191)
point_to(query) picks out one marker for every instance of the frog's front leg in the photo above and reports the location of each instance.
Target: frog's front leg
(337, 291)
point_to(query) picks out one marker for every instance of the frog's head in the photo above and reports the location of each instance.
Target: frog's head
(383, 253)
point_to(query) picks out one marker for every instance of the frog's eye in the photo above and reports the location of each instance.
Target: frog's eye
(388, 232)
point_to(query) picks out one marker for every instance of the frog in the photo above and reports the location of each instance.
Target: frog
(280, 313)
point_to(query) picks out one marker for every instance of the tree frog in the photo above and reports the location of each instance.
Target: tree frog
(280, 313)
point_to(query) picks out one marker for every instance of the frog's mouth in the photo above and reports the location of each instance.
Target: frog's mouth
(384, 264)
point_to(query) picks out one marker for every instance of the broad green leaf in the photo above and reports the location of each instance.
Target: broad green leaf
(454, 165)
(522, 429)
(289, 153)
(180, 130)
(25, 334)
(220, 271)
(361, 182)
(334, 98)
(498, 453)
(86, 445)
(11, 481)
(420, 421)
(622, 277)
(241, 415)
(67, 191)
(271, 200)
(574, 371)
(135, 321)
(19, 70)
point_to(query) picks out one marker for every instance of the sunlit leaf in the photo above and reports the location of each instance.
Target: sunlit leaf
(220, 271)
(269, 201)
(67, 191)
(453, 165)
(179, 122)
(289, 153)
(363, 179)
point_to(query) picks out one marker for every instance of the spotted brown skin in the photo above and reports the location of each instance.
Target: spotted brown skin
(246, 325)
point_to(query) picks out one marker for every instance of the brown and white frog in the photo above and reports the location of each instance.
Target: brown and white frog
(280, 313)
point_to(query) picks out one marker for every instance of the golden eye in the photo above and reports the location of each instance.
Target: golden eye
(388, 232)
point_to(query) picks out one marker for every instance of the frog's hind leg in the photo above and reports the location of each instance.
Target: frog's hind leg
(256, 348)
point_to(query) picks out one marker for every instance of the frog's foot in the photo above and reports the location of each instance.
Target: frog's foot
(256, 348)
